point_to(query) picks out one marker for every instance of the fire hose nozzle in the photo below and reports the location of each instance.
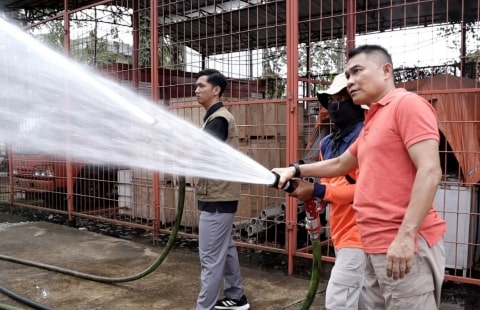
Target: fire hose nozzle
(288, 187)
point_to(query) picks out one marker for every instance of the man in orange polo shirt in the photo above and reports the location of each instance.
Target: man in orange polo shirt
(398, 157)
(344, 287)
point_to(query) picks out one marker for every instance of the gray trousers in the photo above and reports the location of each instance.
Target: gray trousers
(344, 289)
(218, 259)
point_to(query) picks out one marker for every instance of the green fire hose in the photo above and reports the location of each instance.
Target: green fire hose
(315, 277)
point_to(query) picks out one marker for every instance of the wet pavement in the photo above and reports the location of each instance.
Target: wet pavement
(173, 285)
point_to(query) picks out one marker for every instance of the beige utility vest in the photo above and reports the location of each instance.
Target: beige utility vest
(218, 190)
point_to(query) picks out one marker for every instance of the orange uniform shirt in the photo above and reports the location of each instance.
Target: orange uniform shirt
(339, 193)
(344, 231)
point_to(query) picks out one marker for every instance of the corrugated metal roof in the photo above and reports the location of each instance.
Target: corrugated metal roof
(12, 5)
(260, 25)
(211, 27)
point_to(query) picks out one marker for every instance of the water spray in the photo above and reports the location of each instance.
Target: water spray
(74, 108)
(53, 105)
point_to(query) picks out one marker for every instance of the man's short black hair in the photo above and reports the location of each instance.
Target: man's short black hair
(371, 49)
(215, 78)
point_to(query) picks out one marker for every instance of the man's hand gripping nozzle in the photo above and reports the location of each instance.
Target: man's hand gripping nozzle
(312, 208)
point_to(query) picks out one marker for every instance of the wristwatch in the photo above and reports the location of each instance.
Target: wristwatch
(297, 170)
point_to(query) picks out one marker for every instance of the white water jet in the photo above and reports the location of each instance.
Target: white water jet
(54, 105)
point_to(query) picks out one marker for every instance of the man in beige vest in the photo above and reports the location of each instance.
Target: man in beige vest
(217, 202)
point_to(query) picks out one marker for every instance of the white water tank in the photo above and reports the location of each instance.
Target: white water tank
(455, 204)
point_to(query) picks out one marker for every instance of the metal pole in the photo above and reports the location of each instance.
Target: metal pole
(68, 159)
(351, 24)
(154, 76)
(292, 122)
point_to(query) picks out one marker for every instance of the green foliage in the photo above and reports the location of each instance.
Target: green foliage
(273, 61)
(96, 51)
(414, 73)
(324, 59)
(52, 34)
(453, 33)
(144, 53)
(170, 53)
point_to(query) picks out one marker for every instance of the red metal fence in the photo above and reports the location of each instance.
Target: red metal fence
(276, 54)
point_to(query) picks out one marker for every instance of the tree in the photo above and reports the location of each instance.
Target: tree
(171, 54)
(272, 66)
(459, 37)
(325, 59)
(95, 48)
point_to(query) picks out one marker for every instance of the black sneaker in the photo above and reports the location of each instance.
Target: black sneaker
(234, 304)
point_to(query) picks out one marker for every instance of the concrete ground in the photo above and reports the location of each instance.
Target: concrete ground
(173, 285)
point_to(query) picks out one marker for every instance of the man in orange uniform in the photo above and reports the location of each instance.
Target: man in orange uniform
(398, 157)
(347, 276)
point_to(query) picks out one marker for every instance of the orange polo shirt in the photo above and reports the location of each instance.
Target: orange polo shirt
(386, 172)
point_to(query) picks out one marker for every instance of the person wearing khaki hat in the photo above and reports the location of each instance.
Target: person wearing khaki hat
(344, 289)
(338, 91)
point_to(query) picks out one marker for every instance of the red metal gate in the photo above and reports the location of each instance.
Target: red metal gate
(276, 54)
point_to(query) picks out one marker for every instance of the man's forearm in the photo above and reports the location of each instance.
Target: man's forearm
(329, 168)
(421, 200)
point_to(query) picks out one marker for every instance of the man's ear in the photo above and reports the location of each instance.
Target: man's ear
(216, 90)
(387, 69)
